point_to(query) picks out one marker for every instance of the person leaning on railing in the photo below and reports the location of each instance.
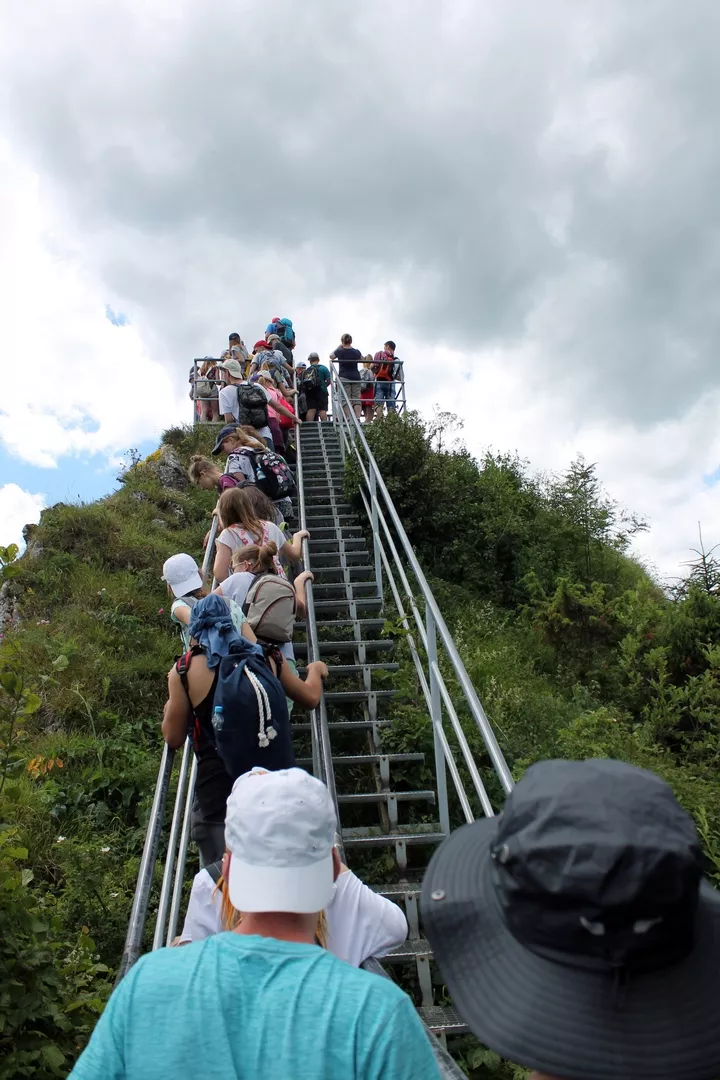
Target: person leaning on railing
(347, 359)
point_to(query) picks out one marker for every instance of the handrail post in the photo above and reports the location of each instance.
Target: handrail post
(138, 915)
(436, 718)
(375, 527)
(400, 401)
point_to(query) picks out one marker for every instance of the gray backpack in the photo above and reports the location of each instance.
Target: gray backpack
(270, 608)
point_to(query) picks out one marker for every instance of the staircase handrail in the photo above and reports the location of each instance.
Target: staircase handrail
(432, 630)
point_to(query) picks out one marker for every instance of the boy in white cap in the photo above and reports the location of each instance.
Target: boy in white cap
(183, 580)
(263, 1000)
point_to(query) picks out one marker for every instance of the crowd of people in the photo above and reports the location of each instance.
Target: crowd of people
(575, 930)
(267, 389)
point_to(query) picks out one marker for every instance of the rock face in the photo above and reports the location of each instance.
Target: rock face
(170, 471)
(9, 618)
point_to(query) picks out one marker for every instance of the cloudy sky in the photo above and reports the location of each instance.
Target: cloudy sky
(523, 195)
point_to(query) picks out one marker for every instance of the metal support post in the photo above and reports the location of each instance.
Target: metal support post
(436, 717)
(375, 532)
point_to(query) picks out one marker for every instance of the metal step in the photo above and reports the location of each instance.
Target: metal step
(330, 520)
(441, 1019)
(409, 950)
(365, 759)
(382, 796)
(338, 575)
(399, 890)
(330, 648)
(326, 532)
(331, 560)
(367, 624)
(326, 545)
(362, 603)
(373, 836)
(335, 588)
(355, 669)
(347, 725)
(340, 697)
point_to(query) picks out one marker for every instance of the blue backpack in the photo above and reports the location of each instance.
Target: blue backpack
(284, 330)
(250, 713)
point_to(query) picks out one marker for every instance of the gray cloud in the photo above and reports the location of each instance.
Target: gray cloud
(538, 176)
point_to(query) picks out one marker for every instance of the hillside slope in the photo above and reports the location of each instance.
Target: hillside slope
(573, 649)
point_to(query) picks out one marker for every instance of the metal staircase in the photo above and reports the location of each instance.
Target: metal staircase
(390, 816)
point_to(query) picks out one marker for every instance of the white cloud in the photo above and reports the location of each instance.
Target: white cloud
(74, 382)
(17, 508)
(528, 197)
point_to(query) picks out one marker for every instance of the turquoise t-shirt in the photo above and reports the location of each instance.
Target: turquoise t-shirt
(242, 1007)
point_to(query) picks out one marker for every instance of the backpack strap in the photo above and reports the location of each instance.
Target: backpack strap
(182, 666)
(214, 869)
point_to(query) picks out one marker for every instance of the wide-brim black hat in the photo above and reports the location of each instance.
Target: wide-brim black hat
(558, 1018)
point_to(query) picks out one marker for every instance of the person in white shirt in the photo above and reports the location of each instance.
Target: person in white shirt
(236, 401)
(360, 922)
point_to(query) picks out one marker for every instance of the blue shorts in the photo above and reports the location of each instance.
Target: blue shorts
(385, 392)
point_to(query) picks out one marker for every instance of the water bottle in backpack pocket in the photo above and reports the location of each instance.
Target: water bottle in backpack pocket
(250, 714)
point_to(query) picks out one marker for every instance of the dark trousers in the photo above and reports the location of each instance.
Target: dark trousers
(209, 837)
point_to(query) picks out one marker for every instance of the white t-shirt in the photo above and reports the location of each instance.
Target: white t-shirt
(235, 537)
(238, 462)
(361, 923)
(228, 403)
(236, 588)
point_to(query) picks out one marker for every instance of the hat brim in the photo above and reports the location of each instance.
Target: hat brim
(302, 890)
(188, 585)
(558, 1019)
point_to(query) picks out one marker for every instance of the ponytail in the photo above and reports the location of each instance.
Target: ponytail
(198, 467)
(260, 556)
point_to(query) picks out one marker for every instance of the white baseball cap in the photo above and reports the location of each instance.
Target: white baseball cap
(182, 574)
(280, 832)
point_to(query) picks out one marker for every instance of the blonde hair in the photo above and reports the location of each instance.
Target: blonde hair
(199, 466)
(231, 917)
(244, 435)
(260, 556)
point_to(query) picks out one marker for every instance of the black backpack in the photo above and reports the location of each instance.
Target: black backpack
(310, 379)
(252, 406)
(250, 714)
(272, 473)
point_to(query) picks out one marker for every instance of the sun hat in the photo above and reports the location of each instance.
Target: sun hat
(234, 368)
(574, 931)
(181, 574)
(280, 831)
(223, 433)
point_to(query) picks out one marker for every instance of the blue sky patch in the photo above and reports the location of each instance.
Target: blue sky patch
(713, 478)
(117, 318)
(77, 478)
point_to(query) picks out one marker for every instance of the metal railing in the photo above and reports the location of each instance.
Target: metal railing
(174, 868)
(397, 403)
(426, 631)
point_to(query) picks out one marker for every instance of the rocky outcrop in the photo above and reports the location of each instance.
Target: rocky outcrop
(170, 471)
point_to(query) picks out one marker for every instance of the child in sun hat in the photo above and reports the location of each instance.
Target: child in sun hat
(185, 583)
